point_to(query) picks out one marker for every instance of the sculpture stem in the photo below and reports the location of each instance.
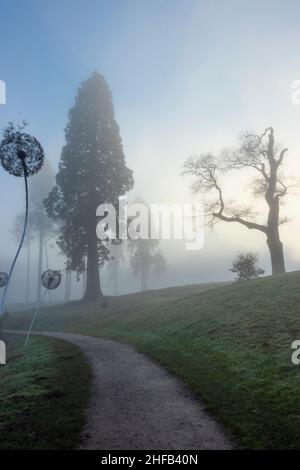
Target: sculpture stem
(34, 317)
(2, 309)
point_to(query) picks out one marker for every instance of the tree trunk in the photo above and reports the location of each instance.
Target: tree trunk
(276, 252)
(93, 290)
(115, 280)
(47, 265)
(68, 285)
(273, 237)
(84, 282)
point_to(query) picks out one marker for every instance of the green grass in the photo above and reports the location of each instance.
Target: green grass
(230, 344)
(43, 394)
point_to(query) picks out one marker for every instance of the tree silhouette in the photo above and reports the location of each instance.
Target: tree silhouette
(92, 171)
(257, 152)
(116, 258)
(40, 226)
(145, 257)
(43, 226)
(68, 285)
(17, 229)
(245, 266)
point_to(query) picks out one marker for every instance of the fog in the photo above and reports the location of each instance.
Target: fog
(186, 78)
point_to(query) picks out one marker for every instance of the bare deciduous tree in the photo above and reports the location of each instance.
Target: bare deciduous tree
(257, 152)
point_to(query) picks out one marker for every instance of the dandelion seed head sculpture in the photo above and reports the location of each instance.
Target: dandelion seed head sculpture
(3, 279)
(20, 155)
(51, 279)
(17, 148)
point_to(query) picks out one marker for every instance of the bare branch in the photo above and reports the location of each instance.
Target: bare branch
(246, 223)
(282, 153)
(284, 220)
(204, 168)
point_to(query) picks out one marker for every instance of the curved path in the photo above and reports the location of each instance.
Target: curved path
(136, 404)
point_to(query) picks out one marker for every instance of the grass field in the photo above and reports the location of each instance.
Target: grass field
(231, 344)
(43, 394)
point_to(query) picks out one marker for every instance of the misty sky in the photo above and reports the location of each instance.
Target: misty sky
(187, 76)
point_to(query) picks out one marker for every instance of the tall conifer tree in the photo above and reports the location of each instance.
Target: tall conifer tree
(92, 171)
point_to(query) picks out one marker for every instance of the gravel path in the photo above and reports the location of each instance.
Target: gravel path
(135, 404)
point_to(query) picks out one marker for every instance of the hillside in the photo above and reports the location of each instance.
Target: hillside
(231, 344)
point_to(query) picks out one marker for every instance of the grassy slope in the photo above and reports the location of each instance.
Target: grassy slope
(231, 344)
(43, 394)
